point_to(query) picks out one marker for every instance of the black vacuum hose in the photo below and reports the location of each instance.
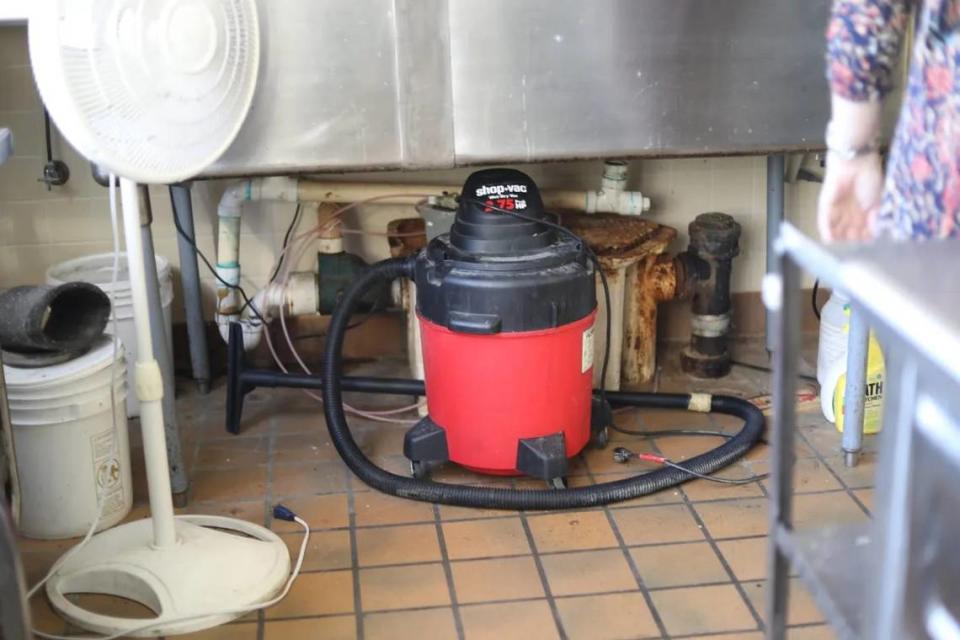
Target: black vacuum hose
(517, 499)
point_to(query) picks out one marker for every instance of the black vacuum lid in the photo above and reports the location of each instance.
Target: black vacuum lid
(498, 273)
(482, 224)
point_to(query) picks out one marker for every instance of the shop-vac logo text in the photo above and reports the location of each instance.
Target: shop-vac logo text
(500, 189)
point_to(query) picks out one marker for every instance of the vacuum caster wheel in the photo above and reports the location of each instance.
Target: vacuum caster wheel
(557, 483)
(600, 439)
(419, 469)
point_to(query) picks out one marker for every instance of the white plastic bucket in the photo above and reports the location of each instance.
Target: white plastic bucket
(66, 450)
(98, 269)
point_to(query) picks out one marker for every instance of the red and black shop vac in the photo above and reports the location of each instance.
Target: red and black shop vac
(507, 307)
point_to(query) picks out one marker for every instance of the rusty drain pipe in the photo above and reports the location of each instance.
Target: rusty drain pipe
(700, 274)
(714, 243)
(654, 279)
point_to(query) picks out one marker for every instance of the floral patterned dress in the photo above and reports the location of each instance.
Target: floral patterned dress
(922, 192)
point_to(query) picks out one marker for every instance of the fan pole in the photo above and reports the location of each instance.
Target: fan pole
(149, 379)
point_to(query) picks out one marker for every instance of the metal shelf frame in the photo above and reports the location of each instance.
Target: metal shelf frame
(897, 577)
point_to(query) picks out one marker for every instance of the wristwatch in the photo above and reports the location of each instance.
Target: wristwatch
(847, 151)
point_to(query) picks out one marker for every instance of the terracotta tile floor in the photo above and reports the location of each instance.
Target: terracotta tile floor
(685, 563)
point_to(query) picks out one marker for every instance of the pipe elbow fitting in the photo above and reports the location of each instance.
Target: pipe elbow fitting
(252, 329)
(612, 196)
(256, 190)
(715, 236)
(628, 203)
(231, 202)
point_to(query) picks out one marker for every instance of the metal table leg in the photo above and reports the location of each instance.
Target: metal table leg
(854, 396)
(190, 279)
(179, 483)
(776, 175)
(892, 522)
(786, 338)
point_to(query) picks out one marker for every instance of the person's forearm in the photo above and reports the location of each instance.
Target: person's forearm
(854, 124)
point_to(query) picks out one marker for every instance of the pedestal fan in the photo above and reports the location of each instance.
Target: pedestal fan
(155, 91)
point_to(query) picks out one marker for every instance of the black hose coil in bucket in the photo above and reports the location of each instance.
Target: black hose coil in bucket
(516, 499)
(64, 318)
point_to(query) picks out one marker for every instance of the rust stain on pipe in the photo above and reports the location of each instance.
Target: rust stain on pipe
(655, 279)
(329, 228)
(634, 247)
(617, 240)
(402, 243)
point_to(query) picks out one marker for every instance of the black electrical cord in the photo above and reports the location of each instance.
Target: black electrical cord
(323, 334)
(286, 238)
(623, 455)
(813, 298)
(46, 135)
(666, 433)
(353, 325)
(717, 479)
(203, 258)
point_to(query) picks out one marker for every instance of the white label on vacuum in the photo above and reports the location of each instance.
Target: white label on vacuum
(106, 472)
(586, 351)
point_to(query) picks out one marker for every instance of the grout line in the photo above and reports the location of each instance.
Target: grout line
(267, 515)
(572, 596)
(807, 625)
(823, 461)
(712, 634)
(448, 572)
(716, 550)
(548, 593)
(354, 555)
(624, 549)
(672, 587)
(517, 555)
(194, 456)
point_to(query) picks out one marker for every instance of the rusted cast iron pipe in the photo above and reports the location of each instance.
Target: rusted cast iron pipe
(714, 242)
(653, 280)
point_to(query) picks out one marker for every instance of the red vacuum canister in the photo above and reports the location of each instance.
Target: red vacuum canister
(506, 307)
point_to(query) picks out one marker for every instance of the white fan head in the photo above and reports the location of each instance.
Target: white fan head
(153, 90)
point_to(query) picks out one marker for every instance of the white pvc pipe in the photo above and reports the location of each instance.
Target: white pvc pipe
(610, 197)
(149, 379)
(229, 302)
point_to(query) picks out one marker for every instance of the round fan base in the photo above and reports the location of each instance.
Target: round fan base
(217, 565)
